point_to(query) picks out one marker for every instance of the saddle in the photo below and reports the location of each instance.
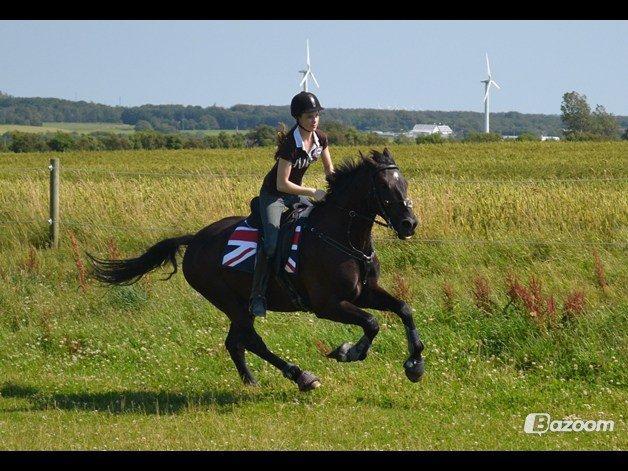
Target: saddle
(295, 215)
(300, 209)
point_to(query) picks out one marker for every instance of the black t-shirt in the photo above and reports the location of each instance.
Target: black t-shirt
(291, 149)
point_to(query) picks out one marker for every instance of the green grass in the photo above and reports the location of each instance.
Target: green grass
(214, 132)
(144, 367)
(86, 128)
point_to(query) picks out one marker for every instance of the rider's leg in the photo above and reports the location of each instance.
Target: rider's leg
(271, 208)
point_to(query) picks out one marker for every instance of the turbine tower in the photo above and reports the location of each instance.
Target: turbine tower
(308, 70)
(487, 86)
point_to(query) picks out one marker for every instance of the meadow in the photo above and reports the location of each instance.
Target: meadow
(81, 128)
(86, 128)
(517, 275)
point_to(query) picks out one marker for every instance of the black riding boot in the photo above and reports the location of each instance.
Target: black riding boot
(257, 305)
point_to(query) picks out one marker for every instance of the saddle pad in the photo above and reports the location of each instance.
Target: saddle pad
(241, 248)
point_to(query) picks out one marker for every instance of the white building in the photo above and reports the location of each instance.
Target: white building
(426, 129)
(386, 134)
(550, 138)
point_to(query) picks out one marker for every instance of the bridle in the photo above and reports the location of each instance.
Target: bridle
(381, 205)
(353, 251)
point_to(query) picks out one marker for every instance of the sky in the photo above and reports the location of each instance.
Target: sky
(414, 65)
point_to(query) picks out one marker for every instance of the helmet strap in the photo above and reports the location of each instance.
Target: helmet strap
(305, 129)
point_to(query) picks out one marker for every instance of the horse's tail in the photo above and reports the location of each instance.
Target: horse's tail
(129, 271)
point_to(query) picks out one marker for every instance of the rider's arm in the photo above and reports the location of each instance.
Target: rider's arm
(285, 185)
(329, 166)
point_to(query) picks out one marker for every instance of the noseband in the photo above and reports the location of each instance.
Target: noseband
(381, 205)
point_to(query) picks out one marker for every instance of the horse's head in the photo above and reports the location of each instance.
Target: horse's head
(389, 194)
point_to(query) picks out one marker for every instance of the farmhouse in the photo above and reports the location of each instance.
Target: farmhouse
(426, 129)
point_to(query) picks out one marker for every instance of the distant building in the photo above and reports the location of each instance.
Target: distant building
(386, 134)
(550, 138)
(510, 137)
(426, 129)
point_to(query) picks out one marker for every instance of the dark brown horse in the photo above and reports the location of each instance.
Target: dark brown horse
(338, 268)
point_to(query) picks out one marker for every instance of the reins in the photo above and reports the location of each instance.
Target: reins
(352, 251)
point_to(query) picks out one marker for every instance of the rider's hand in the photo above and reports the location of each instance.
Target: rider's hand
(319, 195)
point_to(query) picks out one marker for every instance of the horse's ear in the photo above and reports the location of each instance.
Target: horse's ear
(376, 155)
(388, 158)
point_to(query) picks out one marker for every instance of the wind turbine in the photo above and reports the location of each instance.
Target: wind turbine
(487, 85)
(308, 71)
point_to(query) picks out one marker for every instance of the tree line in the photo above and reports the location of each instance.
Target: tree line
(173, 118)
(261, 136)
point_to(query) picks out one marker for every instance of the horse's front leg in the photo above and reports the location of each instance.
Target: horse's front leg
(348, 313)
(376, 297)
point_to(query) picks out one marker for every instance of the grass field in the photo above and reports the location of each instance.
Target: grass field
(85, 366)
(81, 128)
(86, 128)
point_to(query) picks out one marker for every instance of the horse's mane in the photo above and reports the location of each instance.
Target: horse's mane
(347, 170)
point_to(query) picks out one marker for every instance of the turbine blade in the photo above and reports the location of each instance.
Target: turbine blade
(486, 94)
(303, 81)
(488, 67)
(495, 83)
(308, 52)
(315, 81)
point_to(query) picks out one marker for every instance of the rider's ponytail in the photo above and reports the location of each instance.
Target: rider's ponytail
(282, 135)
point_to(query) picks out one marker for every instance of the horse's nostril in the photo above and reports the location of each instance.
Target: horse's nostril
(408, 224)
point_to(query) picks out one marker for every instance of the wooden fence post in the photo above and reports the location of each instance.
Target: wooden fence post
(54, 203)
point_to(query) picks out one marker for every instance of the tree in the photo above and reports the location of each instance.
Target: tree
(262, 135)
(625, 134)
(528, 136)
(604, 123)
(27, 142)
(143, 125)
(435, 138)
(61, 142)
(576, 113)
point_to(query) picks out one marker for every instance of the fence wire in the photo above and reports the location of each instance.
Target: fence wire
(411, 177)
(511, 242)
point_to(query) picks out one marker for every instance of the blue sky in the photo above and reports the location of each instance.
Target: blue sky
(419, 65)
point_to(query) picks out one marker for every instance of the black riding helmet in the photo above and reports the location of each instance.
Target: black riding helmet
(304, 102)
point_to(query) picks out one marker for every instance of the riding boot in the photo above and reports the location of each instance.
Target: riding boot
(257, 306)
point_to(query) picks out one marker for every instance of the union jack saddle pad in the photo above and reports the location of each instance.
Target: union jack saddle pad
(241, 248)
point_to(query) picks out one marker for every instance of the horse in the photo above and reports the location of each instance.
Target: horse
(338, 268)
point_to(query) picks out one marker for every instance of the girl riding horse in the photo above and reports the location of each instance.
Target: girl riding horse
(299, 148)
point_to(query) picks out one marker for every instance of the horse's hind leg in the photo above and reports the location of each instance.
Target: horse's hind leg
(220, 295)
(305, 380)
(236, 350)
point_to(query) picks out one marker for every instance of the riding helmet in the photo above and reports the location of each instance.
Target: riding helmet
(304, 102)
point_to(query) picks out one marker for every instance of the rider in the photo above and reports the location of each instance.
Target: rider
(300, 147)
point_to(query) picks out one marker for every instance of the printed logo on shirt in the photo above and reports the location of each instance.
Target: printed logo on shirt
(302, 162)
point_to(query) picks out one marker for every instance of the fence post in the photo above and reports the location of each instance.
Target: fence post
(54, 203)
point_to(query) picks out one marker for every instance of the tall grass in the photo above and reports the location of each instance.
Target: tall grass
(535, 321)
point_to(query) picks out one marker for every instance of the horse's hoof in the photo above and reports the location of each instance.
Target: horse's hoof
(307, 381)
(340, 353)
(414, 369)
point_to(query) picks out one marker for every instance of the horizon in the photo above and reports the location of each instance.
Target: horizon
(284, 106)
(436, 65)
